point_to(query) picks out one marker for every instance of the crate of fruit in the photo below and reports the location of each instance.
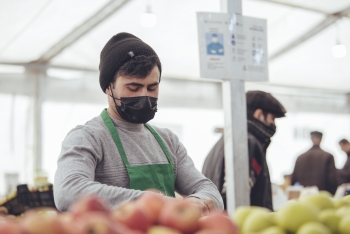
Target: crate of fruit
(26, 199)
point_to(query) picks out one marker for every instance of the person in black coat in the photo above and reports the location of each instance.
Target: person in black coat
(262, 109)
(344, 173)
(316, 167)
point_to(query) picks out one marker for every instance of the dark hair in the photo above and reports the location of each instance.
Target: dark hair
(343, 141)
(316, 134)
(139, 66)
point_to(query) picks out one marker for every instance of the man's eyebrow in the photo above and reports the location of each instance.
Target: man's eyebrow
(141, 85)
(134, 84)
(153, 84)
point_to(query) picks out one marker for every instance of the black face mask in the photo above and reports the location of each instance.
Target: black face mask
(271, 129)
(139, 109)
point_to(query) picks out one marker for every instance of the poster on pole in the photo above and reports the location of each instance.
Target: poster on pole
(232, 47)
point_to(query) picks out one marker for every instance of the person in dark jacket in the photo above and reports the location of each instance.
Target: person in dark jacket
(316, 167)
(344, 173)
(262, 109)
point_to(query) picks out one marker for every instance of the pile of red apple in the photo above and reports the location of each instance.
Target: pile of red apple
(151, 214)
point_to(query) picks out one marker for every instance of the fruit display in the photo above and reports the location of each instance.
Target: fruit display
(311, 214)
(152, 213)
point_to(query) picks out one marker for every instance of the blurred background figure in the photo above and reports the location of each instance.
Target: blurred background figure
(316, 167)
(262, 109)
(344, 173)
(286, 182)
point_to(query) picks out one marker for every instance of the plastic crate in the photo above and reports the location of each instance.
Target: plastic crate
(26, 200)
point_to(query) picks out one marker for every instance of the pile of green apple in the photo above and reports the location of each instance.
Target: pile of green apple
(152, 213)
(311, 214)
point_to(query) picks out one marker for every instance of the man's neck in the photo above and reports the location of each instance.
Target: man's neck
(113, 114)
(348, 153)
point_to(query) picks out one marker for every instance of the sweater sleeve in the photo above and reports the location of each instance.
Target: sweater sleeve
(190, 182)
(75, 174)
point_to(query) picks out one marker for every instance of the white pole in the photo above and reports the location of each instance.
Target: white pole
(38, 100)
(235, 133)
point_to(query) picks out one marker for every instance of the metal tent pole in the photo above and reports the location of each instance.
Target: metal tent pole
(235, 133)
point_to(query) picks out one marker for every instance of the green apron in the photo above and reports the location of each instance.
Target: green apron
(156, 176)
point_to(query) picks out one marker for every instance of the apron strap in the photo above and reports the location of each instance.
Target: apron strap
(161, 143)
(115, 136)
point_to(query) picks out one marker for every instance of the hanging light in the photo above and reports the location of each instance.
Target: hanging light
(339, 51)
(148, 19)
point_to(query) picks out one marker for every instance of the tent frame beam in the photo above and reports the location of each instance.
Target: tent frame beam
(114, 5)
(297, 6)
(110, 8)
(329, 20)
(44, 67)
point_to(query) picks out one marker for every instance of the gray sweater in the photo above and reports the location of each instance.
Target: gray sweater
(90, 162)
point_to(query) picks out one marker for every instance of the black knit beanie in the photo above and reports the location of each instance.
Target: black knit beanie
(118, 50)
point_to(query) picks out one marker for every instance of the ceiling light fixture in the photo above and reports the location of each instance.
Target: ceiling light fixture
(148, 19)
(338, 50)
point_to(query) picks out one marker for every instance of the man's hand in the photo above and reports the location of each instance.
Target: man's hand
(205, 206)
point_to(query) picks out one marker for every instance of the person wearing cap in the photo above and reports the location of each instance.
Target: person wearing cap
(344, 173)
(118, 155)
(316, 167)
(262, 109)
(215, 47)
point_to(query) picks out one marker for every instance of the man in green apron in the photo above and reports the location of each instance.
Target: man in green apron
(117, 155)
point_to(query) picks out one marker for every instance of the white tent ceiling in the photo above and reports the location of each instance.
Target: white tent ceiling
(31, 28)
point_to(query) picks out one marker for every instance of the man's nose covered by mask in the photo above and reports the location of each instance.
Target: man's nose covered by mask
(139, 109)
(118, 50)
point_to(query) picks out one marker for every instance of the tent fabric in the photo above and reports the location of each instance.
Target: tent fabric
(30, 28)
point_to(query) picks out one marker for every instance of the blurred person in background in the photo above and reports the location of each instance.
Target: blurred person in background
(316, 167)
(262, 109)
(117, 155)
(344, 173)
(286, 182)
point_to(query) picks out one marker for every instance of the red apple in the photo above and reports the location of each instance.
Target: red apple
(131, 215)
(99, 223)
(209, 231)
(11, 218)
(90, 203)
(151, 204)
(218, 221)
(41, 222)
(180, 215)
(68, 223)
(9, 227)
(162, 230)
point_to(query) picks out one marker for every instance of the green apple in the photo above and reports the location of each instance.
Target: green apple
(313, 228)
(273, 230)
(347, 199)
(343, 211)
(344, 225)
(294, 214)
(256, 221)
(319, 201)
(272, 216)
(330, 219)
(325, 193)
(242, 212)
(339, 202)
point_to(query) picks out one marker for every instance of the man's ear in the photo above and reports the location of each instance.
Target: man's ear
(108, 90)
(259, 115)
